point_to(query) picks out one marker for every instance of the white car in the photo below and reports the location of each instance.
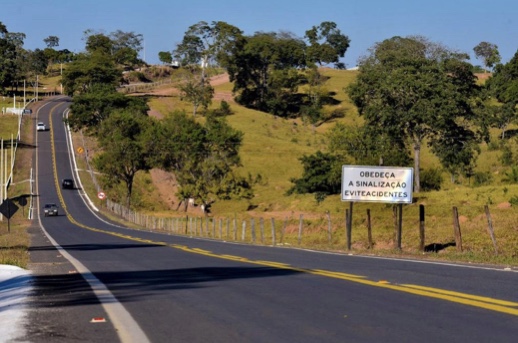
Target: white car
(41, 127)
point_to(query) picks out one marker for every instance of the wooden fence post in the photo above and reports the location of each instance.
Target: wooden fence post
(284, 229)
(456, 228)
(228, 228)
(300, 228)
(347, 230)
(490, 228)
(252, 227)
(421, 227)
(369, 229)
(273, 232)
(261, 226)
(329, 227)
(235, 228)
(400, 226)
(243, 231)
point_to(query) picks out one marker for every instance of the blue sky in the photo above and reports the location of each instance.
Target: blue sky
(458, 24)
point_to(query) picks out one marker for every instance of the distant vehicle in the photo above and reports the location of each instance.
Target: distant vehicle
(50, 209)
(41, 126)
(67, 184)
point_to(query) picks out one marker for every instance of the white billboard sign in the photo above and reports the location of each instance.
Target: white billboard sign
(377, 184)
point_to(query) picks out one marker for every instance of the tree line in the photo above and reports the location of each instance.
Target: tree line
(410, 91)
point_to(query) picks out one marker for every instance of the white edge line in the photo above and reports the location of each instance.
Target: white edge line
(127, 328)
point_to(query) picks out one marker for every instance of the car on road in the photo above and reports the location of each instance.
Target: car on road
(50, 209)
(41, 126)
(67, 184)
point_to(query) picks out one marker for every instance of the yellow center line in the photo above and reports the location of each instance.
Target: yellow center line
(487, 303)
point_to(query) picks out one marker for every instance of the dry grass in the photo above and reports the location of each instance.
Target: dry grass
(271, 150)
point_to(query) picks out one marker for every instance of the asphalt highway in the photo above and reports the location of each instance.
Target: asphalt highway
(98, 281)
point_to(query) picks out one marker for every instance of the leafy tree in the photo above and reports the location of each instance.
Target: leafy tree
(202, 157)
(457, 150)
(129, 40)
(413, 89)
(51, 55)
(34, 63)
(502, 116)
(51, 41)
(205, 42)
(18, 63)
(367, 146)
(322, 175)
(98, 42)
(165, 57)
(265, 72)
(91, 108)
(123, 139)
(90, 69)
(197, 92)
(327, 44)
(489, 54)
(7, 58)
(503, 85)
(123, 47)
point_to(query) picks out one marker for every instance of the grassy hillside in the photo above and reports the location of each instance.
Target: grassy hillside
(272, 148)
(270, 154)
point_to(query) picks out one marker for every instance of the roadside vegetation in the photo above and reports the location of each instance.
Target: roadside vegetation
(270, 142)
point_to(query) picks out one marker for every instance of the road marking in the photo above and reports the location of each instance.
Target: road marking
(125, 325)
(496, 305)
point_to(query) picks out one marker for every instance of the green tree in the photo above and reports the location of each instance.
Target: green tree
(327, 44)
(265, 72)
(7, 59)
(91, 108)
(165, 57)
(321, 176)
(18, 62)
(501, 116)
(203, 43)
(202, 157)
(51, 41)
(90, 69)
(367, 145)
(503, 86)
(123, 138)
(97, 42)
(197, 92)
(489, 54)
(413, 89)
(457, 150)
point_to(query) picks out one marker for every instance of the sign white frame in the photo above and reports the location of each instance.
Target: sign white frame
(377, 184)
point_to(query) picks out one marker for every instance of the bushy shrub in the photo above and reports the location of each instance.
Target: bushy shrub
(507, 156)
(511, 176)
(431, 179)
(223, 110)
(493, 145)
(482, 178)
(137, 76)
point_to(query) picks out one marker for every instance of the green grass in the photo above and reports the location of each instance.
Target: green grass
(271, 150)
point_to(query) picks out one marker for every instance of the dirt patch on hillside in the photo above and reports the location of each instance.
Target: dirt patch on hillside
(483, 76)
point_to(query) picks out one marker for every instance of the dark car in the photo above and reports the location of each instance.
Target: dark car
(67, 184)
(50, 210)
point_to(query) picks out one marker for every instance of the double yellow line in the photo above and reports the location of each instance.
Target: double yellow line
(502, 306)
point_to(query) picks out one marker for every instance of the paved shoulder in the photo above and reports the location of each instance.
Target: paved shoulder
(62, 306)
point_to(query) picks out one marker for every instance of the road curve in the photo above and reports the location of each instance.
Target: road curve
(170, 288)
